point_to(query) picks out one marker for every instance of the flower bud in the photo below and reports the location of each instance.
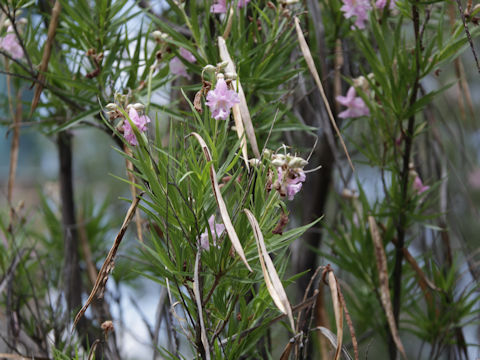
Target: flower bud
(111, 106)
(220, 76)
(278, 160)
(349, 194)
(209, 68)
(139, 107)
(271, 5)
(360, 82)
(222, 65)
(159, 36)
(120, 98)
(107, 327)
(254, 162)
(231, 75)
(297, 162)
(267, 154)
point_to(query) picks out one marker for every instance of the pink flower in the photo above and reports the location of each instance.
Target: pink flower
(10, 44)
(418, 185)
(140, 121)
(215, 230)
(474, 178)
(221, 100)
(187, 55)
(242, 3)
(220, 7)
(399, 140)
(355, 105)
(291, 183)
(294, 185)
(357, 8)
(380, 4)
(177, 68)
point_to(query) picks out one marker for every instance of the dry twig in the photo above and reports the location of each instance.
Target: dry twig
(109, 263)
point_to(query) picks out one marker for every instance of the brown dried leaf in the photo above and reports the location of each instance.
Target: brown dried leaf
(91, 353)
(232, 234)
(18, 357)
(311, 66)
(272, 280)
(87, 253)
(281, 224)
(287, 351)
(198, 300)
(228, 28)
(17, 118)
(338, 310)
(349, 322)
(197, 101)
(333, 340)
(133, 190)
(422, 277)
(108, 265)
(244, 112)
(321, 319)
(384, 288)
(47, 51)
(237, 117)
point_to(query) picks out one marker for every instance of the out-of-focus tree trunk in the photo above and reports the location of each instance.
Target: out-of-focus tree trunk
(311, 110)
(71, 271)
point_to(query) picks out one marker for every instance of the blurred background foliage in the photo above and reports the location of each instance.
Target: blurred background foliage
(105, 48)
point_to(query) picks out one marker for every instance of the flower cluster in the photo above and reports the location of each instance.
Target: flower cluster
(176, 65)
(360, 9)
(220, 6)
(221, 99)
(290, 174)
(137, 117)
(10, 44)
(380, 4)
(418, 185)
(474, 179)
(355, 105)
(216, 230)
(140, 121)
(357, 8)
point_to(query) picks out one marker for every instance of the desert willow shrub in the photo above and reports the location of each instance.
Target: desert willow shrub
(394, 53)
(211, 200)
(218, 294)
(74, 54)
(88, 55)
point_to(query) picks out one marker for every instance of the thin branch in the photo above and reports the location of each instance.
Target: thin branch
(295, 308)
(402, 223)
(467, 32)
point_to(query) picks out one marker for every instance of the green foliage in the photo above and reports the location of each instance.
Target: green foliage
(104, 58)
